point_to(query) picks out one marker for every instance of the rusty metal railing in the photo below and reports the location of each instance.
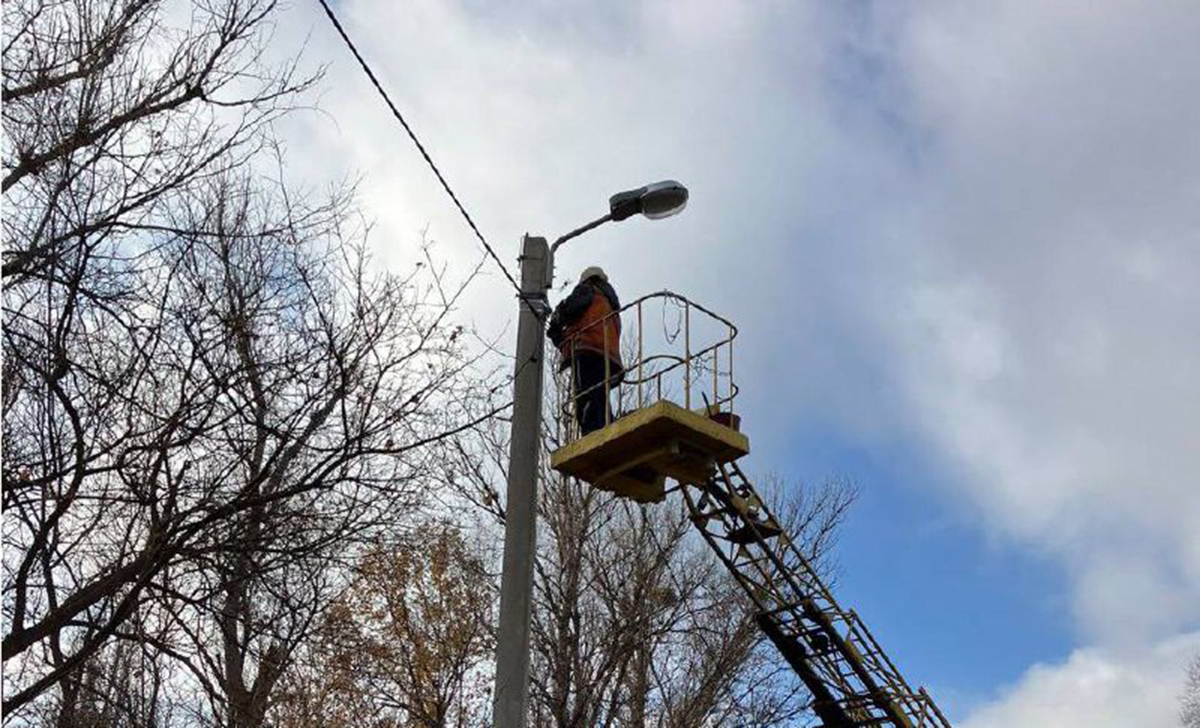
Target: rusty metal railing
(691, 366)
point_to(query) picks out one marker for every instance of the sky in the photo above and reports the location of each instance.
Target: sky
(961, 241)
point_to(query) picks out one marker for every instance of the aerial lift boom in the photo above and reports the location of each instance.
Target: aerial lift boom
(853, 683)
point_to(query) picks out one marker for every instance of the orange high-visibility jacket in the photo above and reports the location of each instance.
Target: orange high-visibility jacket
(594, 330)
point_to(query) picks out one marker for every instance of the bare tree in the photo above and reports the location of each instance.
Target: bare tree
(265, 410)
(638, 624)
(406, 643)
(1189, 712)
(113, 112)
(208, 398)
(635, 621)
(112, 108)
(127, 684)
(355, 364)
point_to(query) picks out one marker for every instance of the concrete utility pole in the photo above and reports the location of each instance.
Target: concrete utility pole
(658, 200)
(520, 523)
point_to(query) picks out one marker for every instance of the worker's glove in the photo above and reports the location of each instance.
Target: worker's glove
(555, 330)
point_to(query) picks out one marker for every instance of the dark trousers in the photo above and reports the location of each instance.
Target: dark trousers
(591, 391)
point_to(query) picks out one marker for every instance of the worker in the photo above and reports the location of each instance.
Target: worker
(586, 328)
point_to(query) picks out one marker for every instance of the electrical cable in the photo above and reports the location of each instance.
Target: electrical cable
(539, 314)
(420, 147)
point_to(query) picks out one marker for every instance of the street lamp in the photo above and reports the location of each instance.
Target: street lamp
(655, 201)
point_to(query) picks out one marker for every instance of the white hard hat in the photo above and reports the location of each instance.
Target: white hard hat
(593, 271)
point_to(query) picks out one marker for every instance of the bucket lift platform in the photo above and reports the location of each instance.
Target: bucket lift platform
(634, 455)
(657, 433)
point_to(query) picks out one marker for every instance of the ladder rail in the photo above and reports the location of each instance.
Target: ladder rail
(823, 670)
(855, 640)
(763, 589)
(853, 681)
(827, 706)
(811, 582)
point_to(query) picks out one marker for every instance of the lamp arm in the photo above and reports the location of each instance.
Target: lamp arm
(580, 231)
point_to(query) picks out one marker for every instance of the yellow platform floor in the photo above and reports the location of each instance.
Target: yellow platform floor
(634, 455)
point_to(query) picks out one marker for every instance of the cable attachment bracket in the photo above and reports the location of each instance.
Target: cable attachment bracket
(538, 303)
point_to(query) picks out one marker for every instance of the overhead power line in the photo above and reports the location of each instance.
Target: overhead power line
(412, 135)
(445, 186)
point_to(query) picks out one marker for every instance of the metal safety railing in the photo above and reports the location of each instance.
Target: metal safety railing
(666, 347)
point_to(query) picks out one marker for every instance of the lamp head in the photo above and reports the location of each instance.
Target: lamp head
(655, 201)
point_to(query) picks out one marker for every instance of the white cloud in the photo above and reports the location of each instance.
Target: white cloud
(972, 227)
(1052, 350)
(1096, 688)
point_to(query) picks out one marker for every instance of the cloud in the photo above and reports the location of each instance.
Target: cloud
(1050, 348)
(971, 228)
(1097, 689)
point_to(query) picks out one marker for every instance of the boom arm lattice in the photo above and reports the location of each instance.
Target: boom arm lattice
(852, 680)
